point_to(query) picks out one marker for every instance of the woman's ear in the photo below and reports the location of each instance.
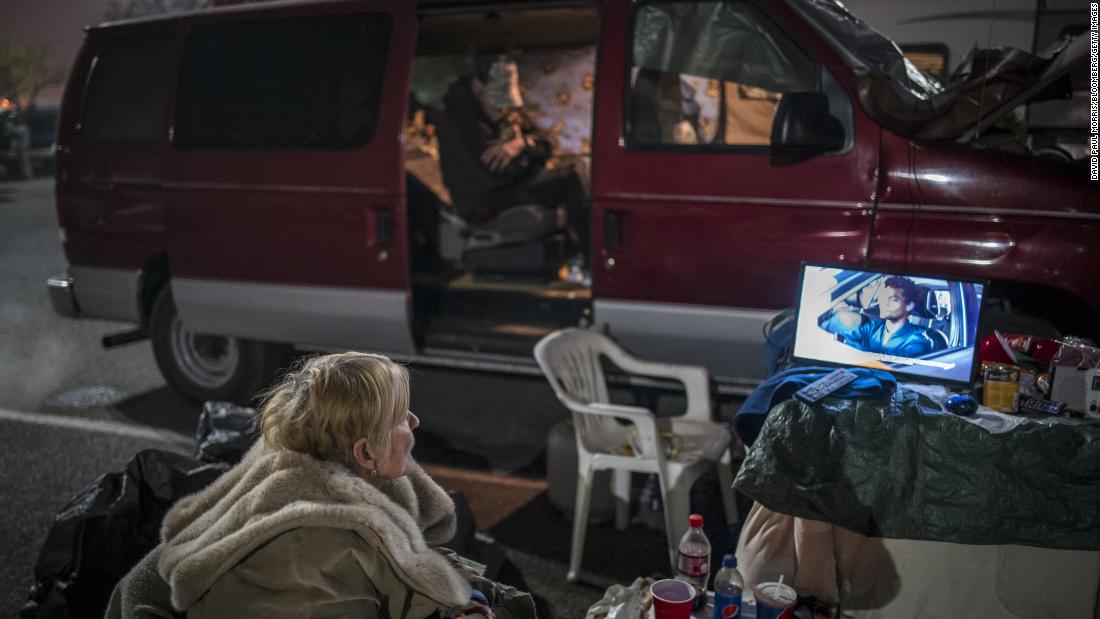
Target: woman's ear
(361, 455)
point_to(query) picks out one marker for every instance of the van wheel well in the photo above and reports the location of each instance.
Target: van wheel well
(1037, 310)
(154, 276)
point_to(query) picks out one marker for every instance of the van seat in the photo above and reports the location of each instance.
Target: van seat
(518, 224)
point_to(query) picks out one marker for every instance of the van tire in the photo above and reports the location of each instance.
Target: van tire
(210, 367)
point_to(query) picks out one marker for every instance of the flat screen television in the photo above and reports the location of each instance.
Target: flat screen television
(924, 327)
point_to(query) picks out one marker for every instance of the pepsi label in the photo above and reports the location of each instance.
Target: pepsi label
(727, 607)
(763, 611)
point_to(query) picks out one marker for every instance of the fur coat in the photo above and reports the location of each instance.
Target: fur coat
(285, 534)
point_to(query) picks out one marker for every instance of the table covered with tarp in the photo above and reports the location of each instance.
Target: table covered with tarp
(895, 508)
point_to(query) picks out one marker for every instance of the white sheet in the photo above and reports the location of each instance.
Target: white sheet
(896, 579)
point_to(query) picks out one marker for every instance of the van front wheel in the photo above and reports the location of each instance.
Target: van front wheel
(210, 367)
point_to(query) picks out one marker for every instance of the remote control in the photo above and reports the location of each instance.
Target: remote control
(822, 387)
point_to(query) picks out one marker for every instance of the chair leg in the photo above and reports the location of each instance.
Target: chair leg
(620, 491)
(725, 478)
(677, 509)
(580, 524)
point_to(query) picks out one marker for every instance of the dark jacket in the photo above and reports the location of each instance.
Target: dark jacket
(465, 132)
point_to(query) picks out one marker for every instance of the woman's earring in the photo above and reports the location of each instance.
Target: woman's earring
(373, 473)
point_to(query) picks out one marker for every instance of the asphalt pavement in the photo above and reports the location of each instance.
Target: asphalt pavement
(44, 463)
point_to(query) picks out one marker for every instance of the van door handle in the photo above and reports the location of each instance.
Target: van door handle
(612, 230)
(379, 226)
(383, 226)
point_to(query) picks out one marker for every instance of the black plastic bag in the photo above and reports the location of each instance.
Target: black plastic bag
(225, 432)
(472, 544)
(106, 529)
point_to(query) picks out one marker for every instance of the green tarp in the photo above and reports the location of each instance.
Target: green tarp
(885, 468)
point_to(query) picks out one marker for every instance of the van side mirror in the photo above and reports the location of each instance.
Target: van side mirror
(803, 128)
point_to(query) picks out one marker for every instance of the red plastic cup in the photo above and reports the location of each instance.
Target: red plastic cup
(672, 599)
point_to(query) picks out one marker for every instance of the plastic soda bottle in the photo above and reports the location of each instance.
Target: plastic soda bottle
(728, 585)
(693, 559)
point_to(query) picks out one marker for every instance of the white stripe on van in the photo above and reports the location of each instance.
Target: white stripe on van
(728, 341)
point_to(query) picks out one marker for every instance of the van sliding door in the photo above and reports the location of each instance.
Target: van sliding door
(286, 178)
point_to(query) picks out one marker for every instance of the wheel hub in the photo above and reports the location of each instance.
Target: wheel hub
(209, 361)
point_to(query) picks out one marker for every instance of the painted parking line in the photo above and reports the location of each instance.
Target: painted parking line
(113, 428)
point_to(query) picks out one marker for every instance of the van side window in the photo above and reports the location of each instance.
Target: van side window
(124, 102)
(710, 75)
(303, 82)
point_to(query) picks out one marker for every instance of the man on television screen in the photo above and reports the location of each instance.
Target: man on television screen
(892, 333)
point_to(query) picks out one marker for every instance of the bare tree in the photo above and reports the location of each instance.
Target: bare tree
(24, 69)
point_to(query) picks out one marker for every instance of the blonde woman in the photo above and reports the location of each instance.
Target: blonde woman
(327, 515)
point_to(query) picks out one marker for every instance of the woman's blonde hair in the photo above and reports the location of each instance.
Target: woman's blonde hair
(331, 401)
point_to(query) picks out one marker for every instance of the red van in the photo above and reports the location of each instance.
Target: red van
(247, 179)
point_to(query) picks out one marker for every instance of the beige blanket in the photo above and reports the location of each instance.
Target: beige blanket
(896, 579)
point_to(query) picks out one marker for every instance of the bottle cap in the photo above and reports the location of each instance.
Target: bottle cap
(729, 561)
(695, 520)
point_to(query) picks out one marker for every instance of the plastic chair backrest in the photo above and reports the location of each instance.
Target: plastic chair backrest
(572, 361)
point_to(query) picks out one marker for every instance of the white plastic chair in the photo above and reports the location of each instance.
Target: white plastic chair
(570, 358)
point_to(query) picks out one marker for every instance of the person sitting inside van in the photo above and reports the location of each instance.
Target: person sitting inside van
(494, 157)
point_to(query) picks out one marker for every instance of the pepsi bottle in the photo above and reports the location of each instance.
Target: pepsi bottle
(728, 585)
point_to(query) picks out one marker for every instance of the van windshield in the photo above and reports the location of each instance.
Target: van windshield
(865, 49)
